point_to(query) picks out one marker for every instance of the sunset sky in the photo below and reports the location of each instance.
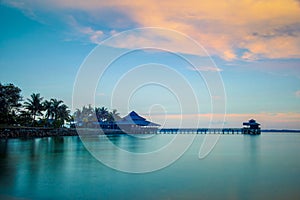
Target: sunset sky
(254, 44)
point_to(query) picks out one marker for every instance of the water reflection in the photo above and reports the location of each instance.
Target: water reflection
(3, 156)
(61, 168)
(139, 143)
(3, 149)
(252, 148)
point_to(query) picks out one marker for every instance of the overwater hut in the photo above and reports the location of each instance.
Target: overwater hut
(134, 123)
(251, 127)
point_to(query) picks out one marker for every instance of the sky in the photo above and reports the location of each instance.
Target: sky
(246, 63)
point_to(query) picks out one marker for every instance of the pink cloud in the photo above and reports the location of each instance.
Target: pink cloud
(297, 93)
(265, 28)
(267, 120)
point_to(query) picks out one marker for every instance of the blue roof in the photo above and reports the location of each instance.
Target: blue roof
(134, 119)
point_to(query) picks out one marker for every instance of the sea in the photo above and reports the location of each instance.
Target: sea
(265, 166)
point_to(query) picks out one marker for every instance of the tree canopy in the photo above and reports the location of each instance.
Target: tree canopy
(10, 97)
(35, 111)
(100, 114)
(34, 106)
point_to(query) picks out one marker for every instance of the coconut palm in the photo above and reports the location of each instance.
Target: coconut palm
(48, 107)
(57, 111)
(102, 113)
(63, 114)
(78, 115)
(113, 116)
(34, 105)
(88, 114)
(56, 107)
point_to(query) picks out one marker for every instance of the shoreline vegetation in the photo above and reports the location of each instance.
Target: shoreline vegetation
(35, 115)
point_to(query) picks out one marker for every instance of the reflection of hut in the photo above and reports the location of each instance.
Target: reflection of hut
(133, 123)
(251, 127)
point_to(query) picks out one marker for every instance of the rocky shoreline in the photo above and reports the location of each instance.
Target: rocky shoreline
(6, 133)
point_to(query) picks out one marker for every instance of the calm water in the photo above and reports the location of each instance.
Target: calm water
(239, 167)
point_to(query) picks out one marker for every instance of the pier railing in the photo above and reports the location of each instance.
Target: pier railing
(207, 131)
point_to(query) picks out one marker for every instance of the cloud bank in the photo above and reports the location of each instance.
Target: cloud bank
(237, 29)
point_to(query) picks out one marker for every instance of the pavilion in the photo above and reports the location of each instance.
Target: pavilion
(251, 127)
(134, 123)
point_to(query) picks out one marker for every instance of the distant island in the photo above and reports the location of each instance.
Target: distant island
(281, 130)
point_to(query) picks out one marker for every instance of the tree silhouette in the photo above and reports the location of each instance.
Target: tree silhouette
(56, 107)
(57, 111)
(34, 105)
(10, 98)
(113, 116)
(48, 108)
(102, 114)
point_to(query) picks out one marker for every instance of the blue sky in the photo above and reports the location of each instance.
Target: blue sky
(43, 45)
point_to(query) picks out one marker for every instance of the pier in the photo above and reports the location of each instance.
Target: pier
(251, 128)
(133, 123)
(200, 131)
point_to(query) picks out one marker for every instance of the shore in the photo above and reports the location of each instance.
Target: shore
(33, 132)
(38, 132)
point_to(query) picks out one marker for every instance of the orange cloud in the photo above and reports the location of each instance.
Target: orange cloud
(266, 29)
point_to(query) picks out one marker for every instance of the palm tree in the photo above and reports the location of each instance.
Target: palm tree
(63, 114)
(88, 113)
(97, 112)
(59, 111)
(102, 114)
(48, 109)
(55, 107)
(78, 115)
(113, 116)
(34, 105)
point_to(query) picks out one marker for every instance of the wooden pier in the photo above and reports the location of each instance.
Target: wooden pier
(201, 131)
(250, 128)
